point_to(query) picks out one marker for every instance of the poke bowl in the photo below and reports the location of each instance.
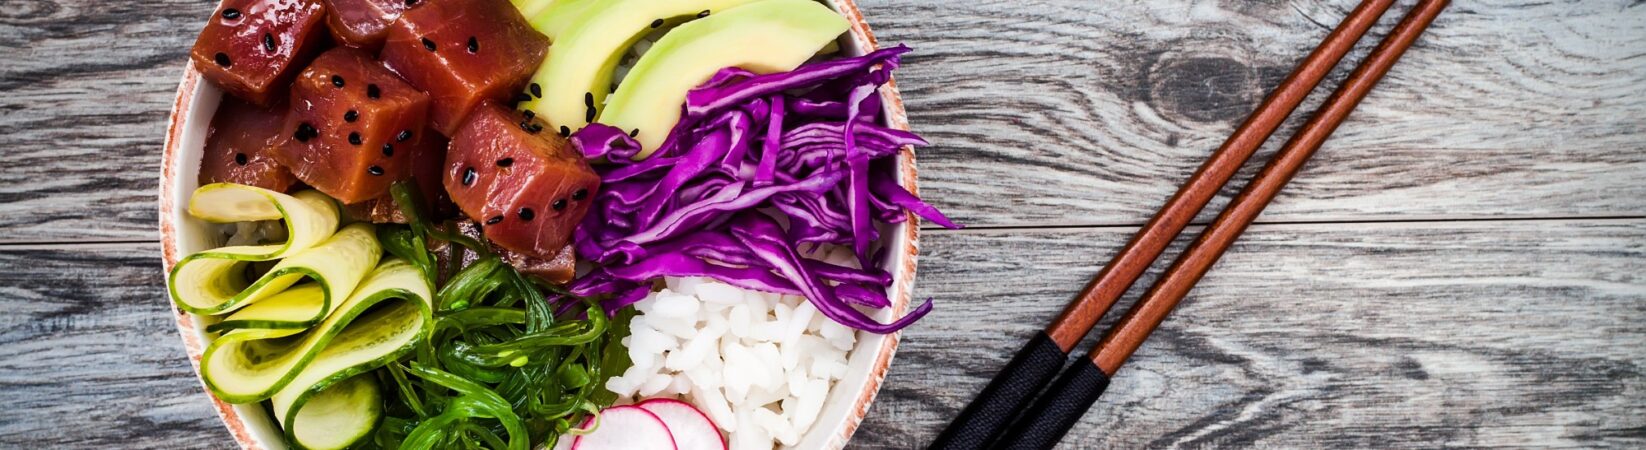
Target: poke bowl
(286, 352)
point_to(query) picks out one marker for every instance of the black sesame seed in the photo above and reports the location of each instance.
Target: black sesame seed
(634, 133)
(522, 97)
(268, 42)
(526, 126)
(703, 14)
(223, 59)
(304, 132)
(536, 127)
(231, 14)
(469, 176)
(350, 116)
(354, 138)
(537, 90)
(375, 171)
(588, 116)
(474, 45)
(372, 91)
(494, 220)
(411, 2)
(388, 149)
(428, 44)
(403, 136)
(657, 23)
(580, 193)
(565, 131)
(528, 114)
(337, 80)
(505, 162)
(240, 158)
(526, 214)
(588, 99)
(559, 205)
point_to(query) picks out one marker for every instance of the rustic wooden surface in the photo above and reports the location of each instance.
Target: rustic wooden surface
(1461, 265)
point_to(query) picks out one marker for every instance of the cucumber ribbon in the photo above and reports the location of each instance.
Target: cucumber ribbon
(295, 344)
(310, 375)
(212, 282)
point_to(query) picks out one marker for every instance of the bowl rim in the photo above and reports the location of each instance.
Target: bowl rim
(901, 291)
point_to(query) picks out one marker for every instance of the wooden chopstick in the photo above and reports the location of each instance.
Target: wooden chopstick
(1100, 294)
(1039, 360)
(1045, 423)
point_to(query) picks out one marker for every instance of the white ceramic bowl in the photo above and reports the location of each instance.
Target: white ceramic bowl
(848, 401)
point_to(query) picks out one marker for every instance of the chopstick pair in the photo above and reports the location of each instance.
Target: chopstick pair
(1043, 424)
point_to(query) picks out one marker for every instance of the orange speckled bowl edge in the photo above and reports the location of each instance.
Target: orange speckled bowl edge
(862, 40)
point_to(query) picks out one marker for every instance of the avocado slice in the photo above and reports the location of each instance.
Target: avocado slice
(553, 17)
(763, 37)
(577, 75)
(532, 8)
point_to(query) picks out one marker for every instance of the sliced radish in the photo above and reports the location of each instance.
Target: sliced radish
(627, 428)
(566, 440)
(692, 429)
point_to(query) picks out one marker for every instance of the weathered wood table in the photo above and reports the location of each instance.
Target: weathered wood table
(1463, 264)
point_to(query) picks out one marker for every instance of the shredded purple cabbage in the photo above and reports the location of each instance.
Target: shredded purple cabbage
(759, 167)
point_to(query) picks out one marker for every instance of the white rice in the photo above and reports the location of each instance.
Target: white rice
(759, 364)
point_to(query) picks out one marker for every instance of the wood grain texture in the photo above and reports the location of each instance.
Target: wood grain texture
(1489, 332)
(1079, 112)
(1398, 336)
(1043, 112)
(85, 90)
(89, 355)
(1472, 334)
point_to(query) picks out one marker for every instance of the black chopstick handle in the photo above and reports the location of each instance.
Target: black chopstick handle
(987, 416)
(1058, 409)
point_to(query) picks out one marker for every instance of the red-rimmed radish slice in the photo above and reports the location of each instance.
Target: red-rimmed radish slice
(692, 429)
(566, 440)
(627, 428)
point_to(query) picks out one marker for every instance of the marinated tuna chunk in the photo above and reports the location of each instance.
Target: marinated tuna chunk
(251, 48)
(559, 270)
(463, 52)
(362, 23)
(428, 159)
(240, 147)
(351, 121)
(528, 187)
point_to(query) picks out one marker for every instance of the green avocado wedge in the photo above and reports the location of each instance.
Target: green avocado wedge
(533, 8)
(558, 15)
(766, 36)
(577, 75)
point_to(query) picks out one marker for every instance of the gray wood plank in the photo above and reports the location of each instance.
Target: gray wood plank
(1471, 334)
(1080, 112)
(1391, 336)
(1045, 112)
(84, 94)
(89, 354)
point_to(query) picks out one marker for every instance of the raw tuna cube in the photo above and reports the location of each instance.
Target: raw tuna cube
(240, 145)
(362, 23)
(463, 52)
(251, 48)
(349, 118)
(559, 269)
(428, 160)
(529, 187)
